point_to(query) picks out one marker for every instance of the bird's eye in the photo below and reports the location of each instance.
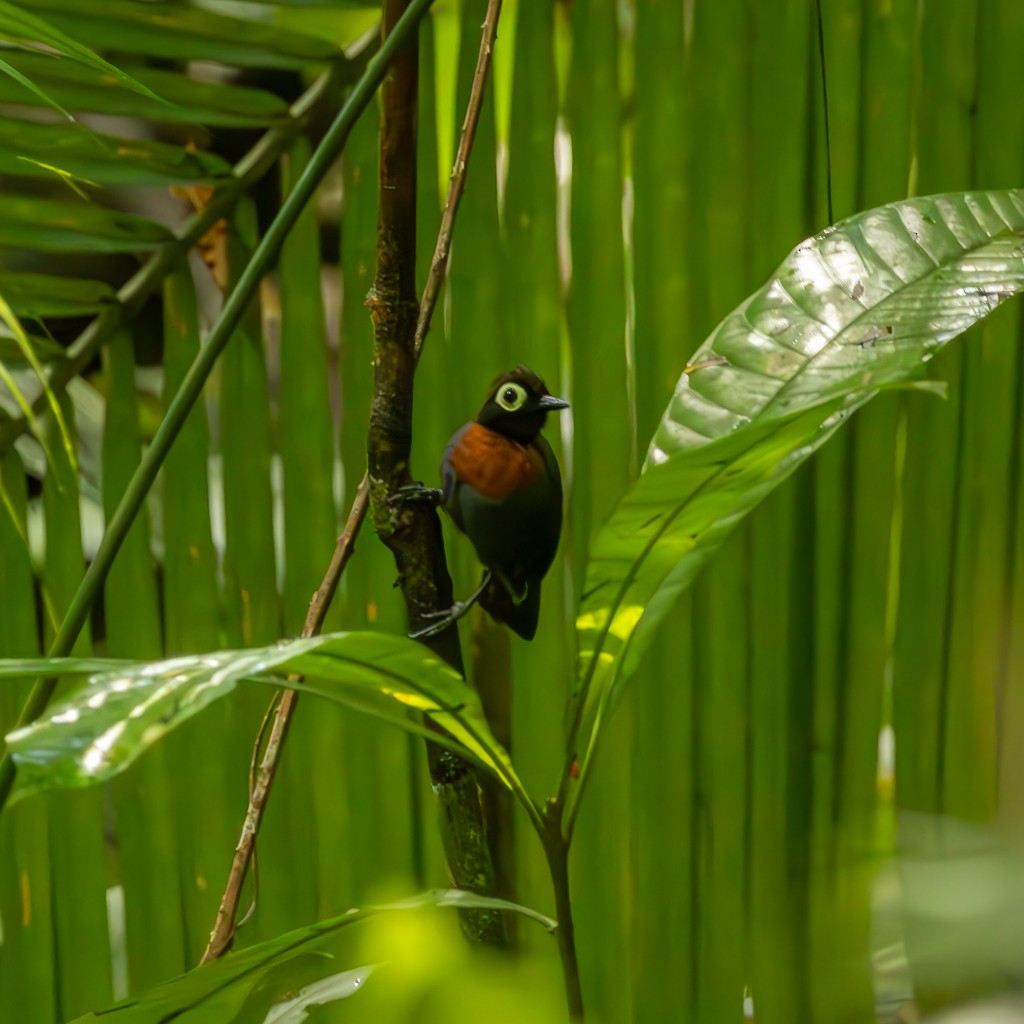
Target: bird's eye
(511, 397)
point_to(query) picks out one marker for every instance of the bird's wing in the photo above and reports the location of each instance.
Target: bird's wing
(449, 478)
(550, 462)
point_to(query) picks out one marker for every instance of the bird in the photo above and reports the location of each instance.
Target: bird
(501, 486)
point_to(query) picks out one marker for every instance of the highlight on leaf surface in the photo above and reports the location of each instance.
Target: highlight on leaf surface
(102, 728)
(855, 309)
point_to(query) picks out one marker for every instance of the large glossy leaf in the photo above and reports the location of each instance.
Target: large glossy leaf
(850, 311)
(101, 729)
(220, 990)
(18, 668)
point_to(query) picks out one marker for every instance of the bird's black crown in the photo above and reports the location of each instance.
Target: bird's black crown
(518, 404)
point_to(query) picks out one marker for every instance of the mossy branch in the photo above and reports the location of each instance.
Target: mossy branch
(414, 534)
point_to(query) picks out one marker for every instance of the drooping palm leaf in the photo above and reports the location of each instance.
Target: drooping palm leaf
(21, 26)
(53, 157)
(177, 30)
(188, 101)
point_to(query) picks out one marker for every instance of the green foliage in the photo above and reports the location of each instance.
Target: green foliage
(101, 730)
(850, 312)
(267, 978)
(735, 806)
(19, 26)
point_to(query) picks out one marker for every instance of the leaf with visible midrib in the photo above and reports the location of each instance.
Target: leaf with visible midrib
(850, 311)
(102, 728)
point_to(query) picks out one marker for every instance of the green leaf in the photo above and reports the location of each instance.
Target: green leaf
(39, 295)
(43, 151)
(850, 311)
(27, 83)
(101, 729)
(56, 225)
(17, 24)
(219, 990)
(27, 352)
(81, 88)
(45, 351)
(18, 668)
(179, 32)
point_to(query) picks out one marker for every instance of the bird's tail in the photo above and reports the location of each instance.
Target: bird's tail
(522, 617)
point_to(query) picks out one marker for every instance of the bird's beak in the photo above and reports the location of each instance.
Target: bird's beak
(550, 403)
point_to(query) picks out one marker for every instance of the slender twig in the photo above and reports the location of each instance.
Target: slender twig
(192, 386)
(457, 181)
(263, 779)
(148, 277)
(342, 553)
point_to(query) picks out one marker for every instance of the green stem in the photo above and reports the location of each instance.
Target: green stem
(192, 386)
(556, 848)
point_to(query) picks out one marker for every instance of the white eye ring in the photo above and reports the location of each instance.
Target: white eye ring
(510, 397)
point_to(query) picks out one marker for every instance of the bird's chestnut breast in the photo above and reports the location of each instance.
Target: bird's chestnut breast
(494, 465)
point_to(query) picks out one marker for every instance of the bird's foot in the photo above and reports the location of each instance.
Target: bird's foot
(448, 616)
(416, 493)
(440, 621)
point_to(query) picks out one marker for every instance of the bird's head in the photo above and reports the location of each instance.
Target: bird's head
(517, 405)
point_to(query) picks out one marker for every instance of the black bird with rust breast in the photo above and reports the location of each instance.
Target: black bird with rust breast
(502, 488)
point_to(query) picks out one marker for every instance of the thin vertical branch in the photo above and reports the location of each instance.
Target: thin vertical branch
(457, 180)
(414, 534)
(224, 927)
